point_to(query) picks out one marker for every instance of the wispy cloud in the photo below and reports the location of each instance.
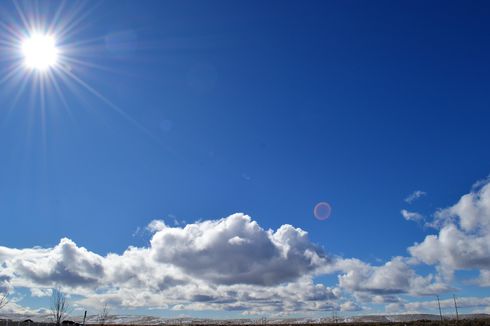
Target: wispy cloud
(414, 196)
(411, 216)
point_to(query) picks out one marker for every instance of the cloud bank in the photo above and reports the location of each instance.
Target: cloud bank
(226, 264)
(233, 264)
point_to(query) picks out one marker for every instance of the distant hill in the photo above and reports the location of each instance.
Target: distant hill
(151, 320)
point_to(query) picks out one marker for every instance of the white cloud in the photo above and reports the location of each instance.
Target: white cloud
(471, 212)
(350, 306)
(463, 241)
(431, 306)
(394, 277)
(41, 292)
(156, 225)
(65, 264)
(17, 309)
(226, 264)
(411, 216)
(484, 278)
(4, 282)
(236, 250)
(232, 264)
(414, 196)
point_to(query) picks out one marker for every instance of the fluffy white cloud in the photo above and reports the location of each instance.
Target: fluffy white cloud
(233, 264)
(454, 249)
(471, 212)
(463, 241)
(65, 264)
(382, 282)
(236, 250)
(226, 264)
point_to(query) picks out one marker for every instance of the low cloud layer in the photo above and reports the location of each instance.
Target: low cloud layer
(66, 263)
(233, 264)
(393, 278)
(226, 264)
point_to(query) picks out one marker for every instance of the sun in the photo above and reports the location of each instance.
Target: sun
(44, 54)
(40, 51)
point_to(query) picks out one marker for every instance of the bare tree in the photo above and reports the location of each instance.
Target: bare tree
(3, 299)
(59, 306)
(103, 315)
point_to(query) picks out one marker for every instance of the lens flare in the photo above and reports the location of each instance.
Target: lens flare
(322, 211)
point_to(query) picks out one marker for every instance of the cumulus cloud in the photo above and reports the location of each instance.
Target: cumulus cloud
(233, 264)
(236, 250)
(226, 264)
(414, 196)
(411, 216)
(471, 212)
(382, 282)
(463, 241)
(65, 264)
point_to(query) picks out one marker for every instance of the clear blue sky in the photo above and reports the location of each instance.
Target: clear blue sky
(264, 108)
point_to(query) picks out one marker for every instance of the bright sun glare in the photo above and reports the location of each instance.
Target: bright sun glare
(40, 52)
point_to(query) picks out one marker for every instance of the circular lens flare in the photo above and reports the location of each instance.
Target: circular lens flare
(322, 211)
(40, 52)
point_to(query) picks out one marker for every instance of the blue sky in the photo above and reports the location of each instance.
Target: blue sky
(188, 112)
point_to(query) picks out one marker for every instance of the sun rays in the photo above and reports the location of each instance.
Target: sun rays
(47, 57)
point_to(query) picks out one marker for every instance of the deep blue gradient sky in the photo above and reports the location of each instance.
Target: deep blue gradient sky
(265, 108)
